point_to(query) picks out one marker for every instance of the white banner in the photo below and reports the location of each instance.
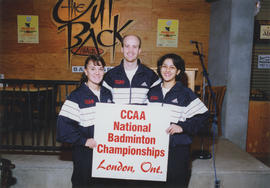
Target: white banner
(131, 142)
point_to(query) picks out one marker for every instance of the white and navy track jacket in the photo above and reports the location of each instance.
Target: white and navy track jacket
(135, 92)
(188, 110)
(76, 118)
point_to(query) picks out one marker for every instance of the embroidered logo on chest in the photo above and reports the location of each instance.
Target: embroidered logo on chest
(119, 82)
(89, 101)
(175, 101)
(144, 84)
(154, 98)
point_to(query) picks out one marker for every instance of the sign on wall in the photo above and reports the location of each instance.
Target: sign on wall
(27, 29)
(131, 142)
(167, 34)
(263, 61)
(265, 32)
(80, 69)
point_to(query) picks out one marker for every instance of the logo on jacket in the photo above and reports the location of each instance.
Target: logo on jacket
(89, 101)
(119, 82)
(154, 98)
(144, 84)
(175, 101)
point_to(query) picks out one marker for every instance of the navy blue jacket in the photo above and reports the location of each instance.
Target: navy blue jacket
(135, 92)
(191, 110)
(76, 118)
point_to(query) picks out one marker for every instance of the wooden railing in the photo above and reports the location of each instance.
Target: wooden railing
(28, 114)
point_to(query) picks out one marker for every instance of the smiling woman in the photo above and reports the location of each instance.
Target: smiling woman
(93, 72)
(171, 67)
(75, 123)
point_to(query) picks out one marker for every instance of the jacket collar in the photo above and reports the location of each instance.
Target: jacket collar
(87, 89)
(176, 88)
(122, 69)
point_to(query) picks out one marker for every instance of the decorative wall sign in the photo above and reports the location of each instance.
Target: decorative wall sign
(262, 31)
(27, 29)
(167, 34)
(90, 26)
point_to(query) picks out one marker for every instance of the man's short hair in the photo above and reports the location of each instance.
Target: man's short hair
(125, 36)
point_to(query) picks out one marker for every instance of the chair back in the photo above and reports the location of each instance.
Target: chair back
(219, 92)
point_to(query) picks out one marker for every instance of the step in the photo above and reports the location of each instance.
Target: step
(234, 168)
(40, 171)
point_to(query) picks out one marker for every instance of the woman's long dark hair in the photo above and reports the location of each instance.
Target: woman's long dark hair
(178, 62)
(97, 60)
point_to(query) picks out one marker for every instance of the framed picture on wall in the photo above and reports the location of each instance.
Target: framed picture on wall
(262, 31)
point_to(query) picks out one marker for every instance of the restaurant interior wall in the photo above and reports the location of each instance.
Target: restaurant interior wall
(47, 60)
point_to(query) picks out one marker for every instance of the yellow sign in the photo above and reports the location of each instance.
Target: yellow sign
(167, 35)
(27, 29)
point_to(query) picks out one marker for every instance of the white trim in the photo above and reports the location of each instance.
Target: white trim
(70, 110)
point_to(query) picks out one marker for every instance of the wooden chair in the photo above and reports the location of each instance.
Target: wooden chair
(208, 99)
(219, 92)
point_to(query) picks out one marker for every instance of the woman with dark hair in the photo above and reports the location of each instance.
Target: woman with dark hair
(177, 62)
(75, 124)
(97, 61)
(191, 114)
